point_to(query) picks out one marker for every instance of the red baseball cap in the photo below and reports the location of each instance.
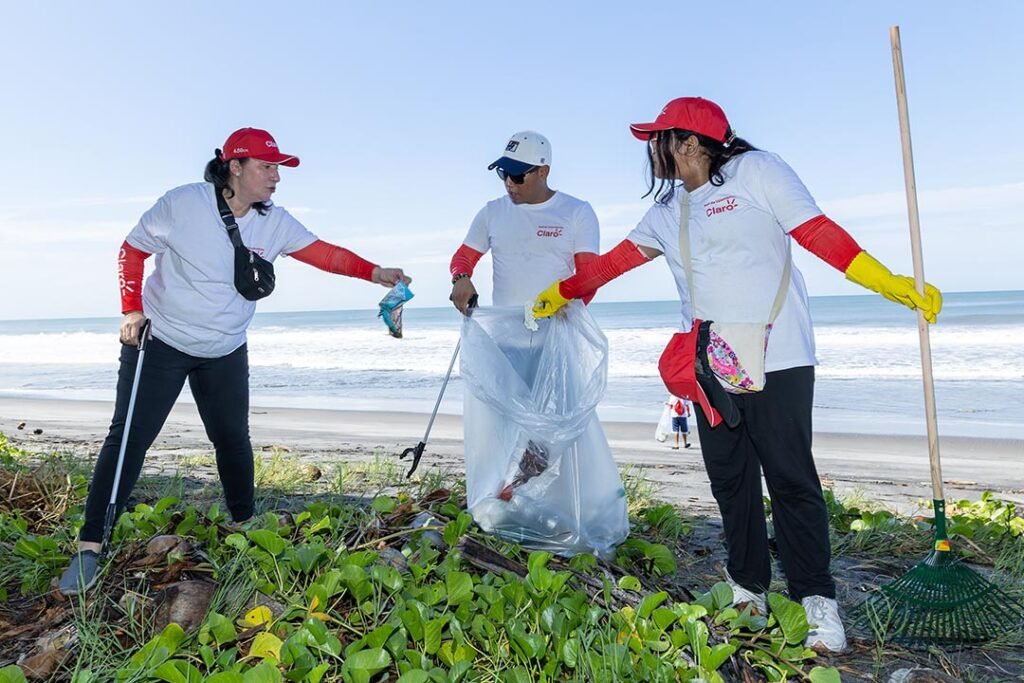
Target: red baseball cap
(685, 370)
(687, 113)
(257, 144)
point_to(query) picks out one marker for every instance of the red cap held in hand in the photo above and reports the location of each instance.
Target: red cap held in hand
(257, 144)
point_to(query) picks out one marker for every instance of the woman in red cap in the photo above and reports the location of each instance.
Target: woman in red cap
(198, 321)
(723, 216)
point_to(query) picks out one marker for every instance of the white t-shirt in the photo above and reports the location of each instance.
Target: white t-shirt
(190, 296)
(533, 244)
(738, 234)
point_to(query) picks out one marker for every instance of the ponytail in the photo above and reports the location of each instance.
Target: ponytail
(218, 171)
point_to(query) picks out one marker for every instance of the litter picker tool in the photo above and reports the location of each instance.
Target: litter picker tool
(417, 450)
(108, 522)
(940, 601)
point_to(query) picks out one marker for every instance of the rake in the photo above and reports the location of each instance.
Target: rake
(941, 601)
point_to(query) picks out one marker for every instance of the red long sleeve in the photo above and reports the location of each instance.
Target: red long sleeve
(824, 238)
(335, 259)
(130, 268)
(464, 260)
(581, 259)
(601, 270)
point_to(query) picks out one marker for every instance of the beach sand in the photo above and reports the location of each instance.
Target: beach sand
(892, 470)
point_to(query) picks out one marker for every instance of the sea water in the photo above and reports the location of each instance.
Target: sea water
(868, 376)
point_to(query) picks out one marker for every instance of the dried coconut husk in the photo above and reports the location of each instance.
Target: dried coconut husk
(184, 604)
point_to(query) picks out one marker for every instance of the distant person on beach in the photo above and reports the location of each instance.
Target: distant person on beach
(199, 322)
(534, 233)
(680, 409)
(743, 206)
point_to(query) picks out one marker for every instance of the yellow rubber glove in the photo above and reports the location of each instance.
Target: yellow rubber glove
(549, 301)
(867, 272)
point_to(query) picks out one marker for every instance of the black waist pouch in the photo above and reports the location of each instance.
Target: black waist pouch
(254, 275)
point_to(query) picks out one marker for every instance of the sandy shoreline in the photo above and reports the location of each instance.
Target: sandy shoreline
(889, 469)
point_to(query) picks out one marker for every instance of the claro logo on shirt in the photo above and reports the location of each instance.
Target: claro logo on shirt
(549, 230)
(723, 205)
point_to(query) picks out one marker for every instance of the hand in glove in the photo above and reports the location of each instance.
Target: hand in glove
(867, 272)
(549, 301)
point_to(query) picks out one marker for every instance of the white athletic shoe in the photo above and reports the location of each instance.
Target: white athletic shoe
(827, 635)
(741, 596)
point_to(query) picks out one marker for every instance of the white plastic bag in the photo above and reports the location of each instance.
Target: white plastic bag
(539, 470)
(664, 427)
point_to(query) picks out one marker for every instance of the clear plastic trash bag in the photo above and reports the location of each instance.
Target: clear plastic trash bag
(664, 428)
(539, 470)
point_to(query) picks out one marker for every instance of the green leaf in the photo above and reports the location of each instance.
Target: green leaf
(383, 504)
(265, 672)
(414, 676)
(791, 617)
(12, 674)
(266, 646)
(220, 628)
(821, 674)
(460, 587)
(630, 583)
(178, 671)
(571, 652)
(432, 635)
(267, 540)
(317, 673)
(369, 661)
(649, 602)
(389, 577)
(718, 654)
(226, 677)
(664, 560)
(584, 562)
(516, 675)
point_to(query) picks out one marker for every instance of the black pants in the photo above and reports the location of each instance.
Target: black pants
(220, 387)
(774, 435)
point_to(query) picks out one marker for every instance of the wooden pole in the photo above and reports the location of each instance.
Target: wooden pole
(915, 245)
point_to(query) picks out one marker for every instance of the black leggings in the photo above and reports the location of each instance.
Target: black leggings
(774, 435)
(220, 387)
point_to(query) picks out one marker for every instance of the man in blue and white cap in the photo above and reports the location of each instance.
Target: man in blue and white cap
(533, 232)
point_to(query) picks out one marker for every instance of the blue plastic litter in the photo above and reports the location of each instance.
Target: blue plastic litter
(391, 308)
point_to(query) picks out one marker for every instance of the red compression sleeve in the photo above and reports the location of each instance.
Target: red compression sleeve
(130, 266)
(581, 259)
(825, 239)
(605, 268)
(464, 260)
(335, 259)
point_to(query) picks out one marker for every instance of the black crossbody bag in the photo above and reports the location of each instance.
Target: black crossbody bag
(254, 275)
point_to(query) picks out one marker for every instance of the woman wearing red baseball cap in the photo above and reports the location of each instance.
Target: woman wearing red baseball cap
(214, 242)
(723, 216)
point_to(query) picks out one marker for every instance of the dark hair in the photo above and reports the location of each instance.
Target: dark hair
(218, 171)
(666, 141)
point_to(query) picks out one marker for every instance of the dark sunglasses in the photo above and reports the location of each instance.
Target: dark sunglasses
(516, 179)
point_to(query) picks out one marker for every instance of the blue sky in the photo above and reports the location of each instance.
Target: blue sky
(397, 108)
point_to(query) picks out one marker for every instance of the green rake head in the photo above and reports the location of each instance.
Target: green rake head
(941, 601)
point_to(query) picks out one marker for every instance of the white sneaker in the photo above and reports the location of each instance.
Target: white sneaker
(827, 634)
(741, 596)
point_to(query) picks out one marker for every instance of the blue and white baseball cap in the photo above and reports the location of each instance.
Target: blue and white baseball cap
(524, 151)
